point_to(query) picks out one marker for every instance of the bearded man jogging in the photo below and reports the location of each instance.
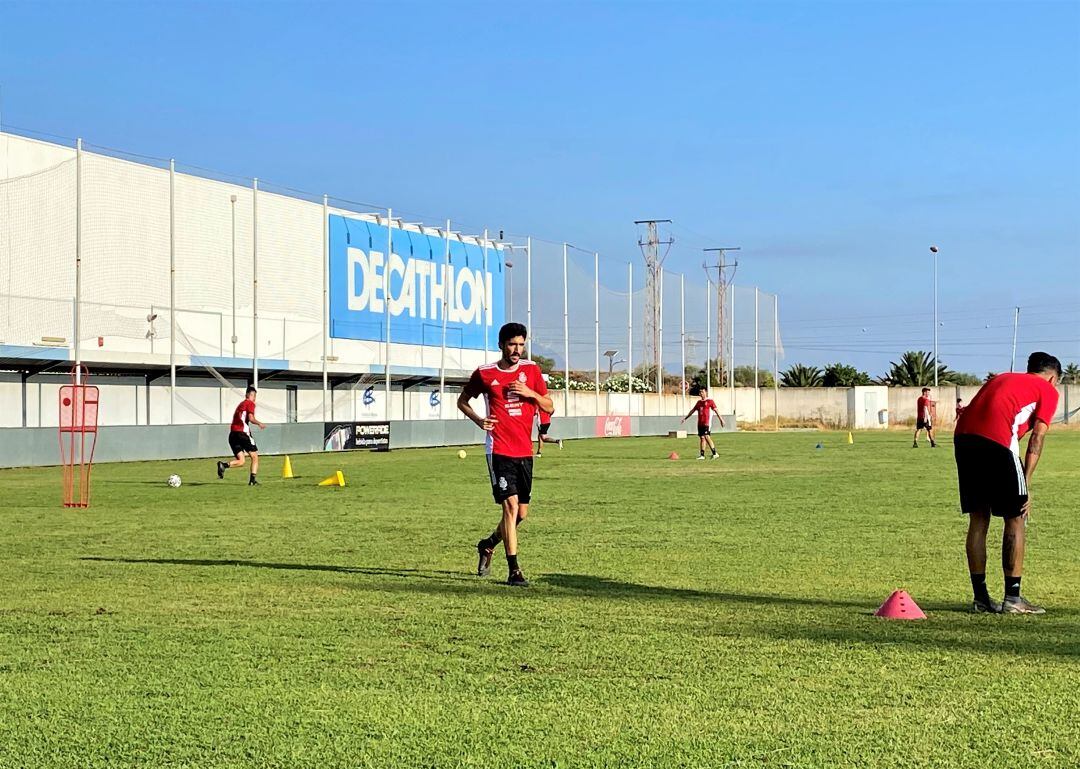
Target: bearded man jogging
(514, 390)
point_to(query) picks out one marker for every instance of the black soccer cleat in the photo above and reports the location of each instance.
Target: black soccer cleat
(483, 564)
(517, 579)
(985, 606)
(221, 469)
(253, 482)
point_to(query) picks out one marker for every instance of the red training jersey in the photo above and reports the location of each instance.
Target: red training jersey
(240, 418)
(923, 408)
(704, 412)
(545, 418)
(1006, 408)
(512, 434)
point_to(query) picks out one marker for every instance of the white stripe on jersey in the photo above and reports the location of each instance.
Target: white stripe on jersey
(1022, 416)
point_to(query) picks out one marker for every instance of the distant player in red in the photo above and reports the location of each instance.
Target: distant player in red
(240, 440)
(959, 407)
(542, 436)
(925, 416)
(992, 479)
(514, 390)
(705, 408)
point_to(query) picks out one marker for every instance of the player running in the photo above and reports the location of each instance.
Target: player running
(240, 440)
(703, 407)
(513, 389)
(992, 479)
(926, 410)
(542, 436)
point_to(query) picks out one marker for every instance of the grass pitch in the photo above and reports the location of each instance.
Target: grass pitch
(692, 614)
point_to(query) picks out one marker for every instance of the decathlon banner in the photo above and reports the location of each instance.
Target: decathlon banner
(417, 271)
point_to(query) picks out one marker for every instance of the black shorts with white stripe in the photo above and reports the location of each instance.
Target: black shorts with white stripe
(991, 477)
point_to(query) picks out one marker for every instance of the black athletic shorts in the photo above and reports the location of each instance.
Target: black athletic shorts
(240, 442)
(923, 424)
(703, 430)
(510, 476)
(991, 477)
(544, 428)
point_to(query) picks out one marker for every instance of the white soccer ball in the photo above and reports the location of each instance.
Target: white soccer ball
(174, 481)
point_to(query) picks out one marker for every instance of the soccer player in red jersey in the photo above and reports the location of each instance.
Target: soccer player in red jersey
(959, 407)
(925, 412)
(542, 436)
(514, 390)
(240, 440)
(992, 479)
(705, 408)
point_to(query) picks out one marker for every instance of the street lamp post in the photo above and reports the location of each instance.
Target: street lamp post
(611, 362)
(934, 250)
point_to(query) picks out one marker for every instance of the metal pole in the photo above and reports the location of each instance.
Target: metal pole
(776, 361)
(1016, 325)
(935, 322)
(255, 282)
(386, 299)
(708, 336)
(325, 302)
(731, 370)
(596, 323)
(485, 304)
(445, 295)
(757, 392)
(682, 343)
(630, 335)
(232, 206)
(78, 262)
(528, 289)
(566, 334)
(172, 292)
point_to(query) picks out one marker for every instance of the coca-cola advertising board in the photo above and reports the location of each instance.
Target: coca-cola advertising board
(613, 426)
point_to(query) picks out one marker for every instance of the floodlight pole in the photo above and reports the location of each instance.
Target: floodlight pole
(325, 296)
(566, 334)
(172, 292)
(386, 298)
(255, 282)
(596, 324)
(442, 350)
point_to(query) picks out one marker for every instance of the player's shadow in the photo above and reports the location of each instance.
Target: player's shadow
(607, 588)
(236, 562)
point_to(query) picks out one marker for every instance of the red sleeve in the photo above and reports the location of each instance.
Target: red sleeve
(475, 385)
(539, 385)
(249, 407)
(1047, 404)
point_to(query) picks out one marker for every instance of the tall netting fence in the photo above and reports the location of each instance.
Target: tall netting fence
(222, 277)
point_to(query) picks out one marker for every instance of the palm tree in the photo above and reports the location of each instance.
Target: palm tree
(916, 369)
(1071, 374)
(802, 376)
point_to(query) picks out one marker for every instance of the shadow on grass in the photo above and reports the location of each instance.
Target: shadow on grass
(372, 571)
(950, 627)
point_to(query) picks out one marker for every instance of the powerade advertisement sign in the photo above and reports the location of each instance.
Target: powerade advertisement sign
(360, 262)
(345, 436)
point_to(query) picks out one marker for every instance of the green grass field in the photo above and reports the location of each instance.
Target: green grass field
(690, 614)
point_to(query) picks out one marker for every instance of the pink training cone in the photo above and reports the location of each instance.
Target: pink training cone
(900, 605)
(673, 455)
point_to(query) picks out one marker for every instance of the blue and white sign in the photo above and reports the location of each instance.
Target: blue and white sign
(417, 272)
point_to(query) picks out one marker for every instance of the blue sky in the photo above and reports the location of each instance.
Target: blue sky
(833, 141)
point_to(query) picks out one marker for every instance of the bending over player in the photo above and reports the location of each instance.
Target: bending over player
(992, 479)
(240, 441)
(513, 389)
(703, 407)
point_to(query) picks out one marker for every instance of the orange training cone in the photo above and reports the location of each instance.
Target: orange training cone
(337, 479)
(673, 455)
(900, 605)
